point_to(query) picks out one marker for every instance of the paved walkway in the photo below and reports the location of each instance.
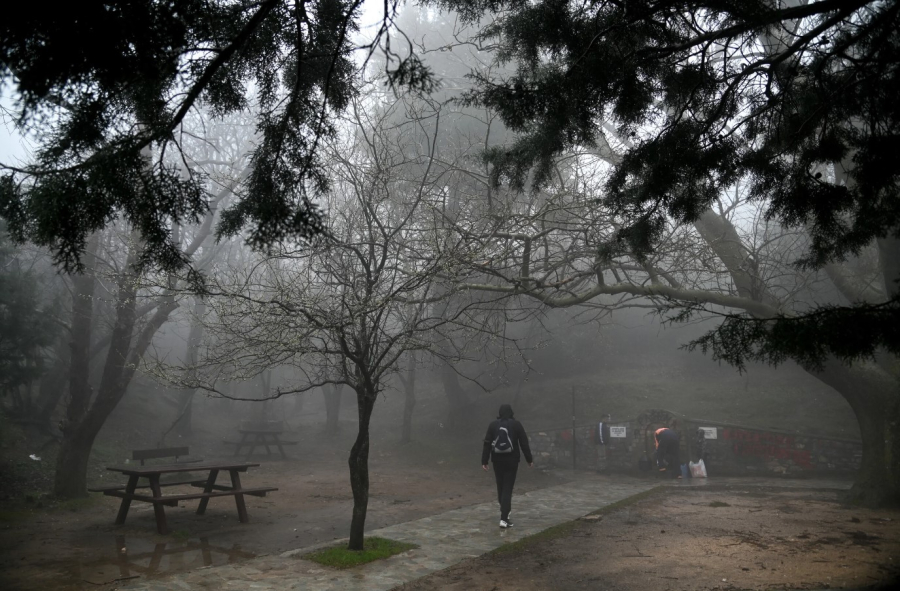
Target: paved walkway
(443, 540)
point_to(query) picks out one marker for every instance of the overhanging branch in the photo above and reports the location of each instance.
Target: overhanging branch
(693, 296)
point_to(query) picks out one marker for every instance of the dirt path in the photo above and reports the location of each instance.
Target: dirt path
(701, 538)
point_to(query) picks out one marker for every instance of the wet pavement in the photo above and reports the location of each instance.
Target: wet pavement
(444, 540)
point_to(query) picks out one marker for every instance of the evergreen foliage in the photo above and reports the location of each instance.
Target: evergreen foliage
(105, 86)
(797, 101)
(848, 334)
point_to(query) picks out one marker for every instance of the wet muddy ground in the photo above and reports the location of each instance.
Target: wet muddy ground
(701, 538)
(81, 548)
(754, 539)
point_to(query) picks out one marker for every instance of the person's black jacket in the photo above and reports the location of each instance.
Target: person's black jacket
(516, 434)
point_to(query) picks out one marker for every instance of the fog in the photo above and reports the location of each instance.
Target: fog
(621, 365)
(266, 337)
(385, 333)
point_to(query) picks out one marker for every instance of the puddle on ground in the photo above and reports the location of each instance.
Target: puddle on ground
(141, 558)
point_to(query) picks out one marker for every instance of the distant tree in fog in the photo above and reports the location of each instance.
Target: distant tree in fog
(28, 327)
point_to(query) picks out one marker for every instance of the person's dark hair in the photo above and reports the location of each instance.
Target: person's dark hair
(506, 412)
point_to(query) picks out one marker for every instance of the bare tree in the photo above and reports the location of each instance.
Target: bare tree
(348, 308)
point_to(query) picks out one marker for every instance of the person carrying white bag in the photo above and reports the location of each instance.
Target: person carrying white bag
(698, 468)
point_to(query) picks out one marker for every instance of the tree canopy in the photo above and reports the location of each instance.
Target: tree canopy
(104, 87)
(793, 101)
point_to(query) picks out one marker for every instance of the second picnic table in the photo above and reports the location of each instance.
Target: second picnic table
(264, 434)
(210, 488)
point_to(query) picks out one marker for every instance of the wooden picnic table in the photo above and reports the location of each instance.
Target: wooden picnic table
(253, 437)
(210, 489)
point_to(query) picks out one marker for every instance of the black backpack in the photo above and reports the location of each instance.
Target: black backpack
(503, 442)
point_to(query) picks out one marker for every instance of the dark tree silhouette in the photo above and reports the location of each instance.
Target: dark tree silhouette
(98, 83)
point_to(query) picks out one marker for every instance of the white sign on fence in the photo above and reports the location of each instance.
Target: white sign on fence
(617, 431)
(709, 432)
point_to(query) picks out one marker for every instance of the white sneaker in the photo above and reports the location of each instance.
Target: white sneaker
(505, 524)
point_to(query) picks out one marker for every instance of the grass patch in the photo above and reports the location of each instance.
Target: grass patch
(719, 504)
(375, 549)
(182, 535)
(564, 529)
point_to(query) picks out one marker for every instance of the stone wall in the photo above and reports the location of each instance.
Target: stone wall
(727, 449)
(555, 447)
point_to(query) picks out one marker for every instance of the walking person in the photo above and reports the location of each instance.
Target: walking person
(602, 437)
(505, 443)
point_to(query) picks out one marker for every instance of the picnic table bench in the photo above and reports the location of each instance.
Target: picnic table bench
(128, 492)
(142, 455)
(261, 434)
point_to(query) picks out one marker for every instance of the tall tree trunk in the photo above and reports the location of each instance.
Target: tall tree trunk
(184, 427)
(359, 467)
(332, 395)
(409, 385)
(872, 392)
(71, 463)
(873, 396)
(70, 480)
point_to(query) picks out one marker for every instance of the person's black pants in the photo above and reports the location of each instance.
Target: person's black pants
(505, 472)
(668, 452)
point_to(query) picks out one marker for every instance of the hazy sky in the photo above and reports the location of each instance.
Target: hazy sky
(12, 146)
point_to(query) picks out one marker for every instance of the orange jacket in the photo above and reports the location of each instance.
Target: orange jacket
(656, 435)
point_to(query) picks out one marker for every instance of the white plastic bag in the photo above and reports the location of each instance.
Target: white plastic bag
(698, 469)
